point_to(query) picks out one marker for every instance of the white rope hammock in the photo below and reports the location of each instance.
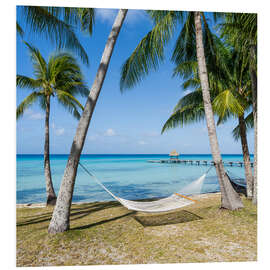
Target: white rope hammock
(172, 202)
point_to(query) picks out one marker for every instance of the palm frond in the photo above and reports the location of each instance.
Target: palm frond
(87, 18)
(19, 29)
(42, 102)
(240, 28)
(186, 69)
(65, 74)
(194, 98)
(26, 82)
(184, 50)
(184, 54)
(26, 103)
(225, 103)
(82, 90)
(150, 51)
(69, 104)
(46, 20)
(191, 83)
(39, 63)
(159, 15)
(218, 16)
(63, 64)
(185, 115)
(61, 94)
(249, 122)
(189, 109)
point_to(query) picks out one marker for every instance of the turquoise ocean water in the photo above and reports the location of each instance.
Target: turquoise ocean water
(128, 176)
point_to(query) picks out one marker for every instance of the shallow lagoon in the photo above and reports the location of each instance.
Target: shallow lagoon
(128, 176)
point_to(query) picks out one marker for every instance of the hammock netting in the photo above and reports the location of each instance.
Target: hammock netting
(162, 205)
(175, 201)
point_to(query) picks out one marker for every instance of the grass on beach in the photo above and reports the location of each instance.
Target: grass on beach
(107, 233)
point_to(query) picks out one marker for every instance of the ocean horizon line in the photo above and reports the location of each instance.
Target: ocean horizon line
(124, 154)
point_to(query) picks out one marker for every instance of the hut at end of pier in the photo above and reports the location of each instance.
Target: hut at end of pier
(174, 155)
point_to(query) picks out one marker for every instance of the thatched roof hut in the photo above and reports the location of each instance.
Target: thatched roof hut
(174, 154)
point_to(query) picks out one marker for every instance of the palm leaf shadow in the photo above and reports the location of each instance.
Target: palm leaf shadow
(167, 219)
(76, 213)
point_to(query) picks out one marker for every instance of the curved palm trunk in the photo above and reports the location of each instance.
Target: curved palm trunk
(253, 76)
(246, 156)
(229, 198)
(51, 197)
(60, 218)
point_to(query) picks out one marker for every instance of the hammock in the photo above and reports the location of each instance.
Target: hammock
(238, 183)
(172, 202)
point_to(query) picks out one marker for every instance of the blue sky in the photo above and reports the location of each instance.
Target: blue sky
(122, 123)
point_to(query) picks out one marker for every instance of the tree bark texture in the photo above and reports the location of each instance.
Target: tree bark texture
(230, 199)
(51, 197)
(60, 218)
(253, 76)
(246, 156)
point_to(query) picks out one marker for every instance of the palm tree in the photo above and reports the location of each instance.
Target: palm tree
(230, 97)
(229, 198)
(189, 46)
(58, 25)
(241, 29)
(238, 91)
(61, 213)
(61, 78)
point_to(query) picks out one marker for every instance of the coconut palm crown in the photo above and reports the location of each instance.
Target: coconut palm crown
(60, 77)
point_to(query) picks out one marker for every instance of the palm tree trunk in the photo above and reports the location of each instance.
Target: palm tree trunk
(51, 197)
(253, 76)
(246, 156)
(60, 218)
(229, 197)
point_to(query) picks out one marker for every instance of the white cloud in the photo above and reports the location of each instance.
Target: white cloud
(133, 15)
(33, 115)
(36, 116)
(28, 112)
(59, 131)
(187, 144)
(142, 142)
(151, 134)
(92, 137)
(106, 15)
(109, 132)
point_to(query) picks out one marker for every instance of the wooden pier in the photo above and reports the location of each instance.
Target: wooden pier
(199, 162)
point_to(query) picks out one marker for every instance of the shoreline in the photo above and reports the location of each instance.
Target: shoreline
(43, 205)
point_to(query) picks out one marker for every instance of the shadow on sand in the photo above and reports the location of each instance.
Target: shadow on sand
(102, 221)
(79, 212)
(166, 219)
(76, 213)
